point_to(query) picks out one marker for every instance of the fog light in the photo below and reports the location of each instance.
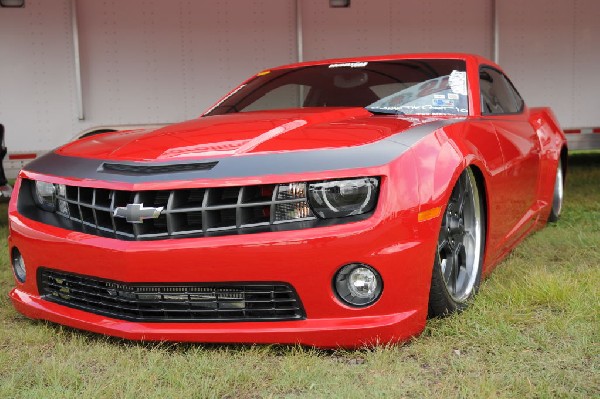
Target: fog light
(358, 284)
(18, 265)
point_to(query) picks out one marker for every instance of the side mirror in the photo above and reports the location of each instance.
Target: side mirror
(483, 75)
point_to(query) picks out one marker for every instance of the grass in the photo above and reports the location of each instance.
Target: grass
(533, 331)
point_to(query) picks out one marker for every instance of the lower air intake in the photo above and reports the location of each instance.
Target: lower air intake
(184, 302)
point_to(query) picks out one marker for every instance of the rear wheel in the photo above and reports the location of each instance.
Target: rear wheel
(459, 256)
(557, 200)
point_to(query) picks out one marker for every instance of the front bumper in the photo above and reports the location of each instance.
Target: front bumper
(326, 333)
(390, 241)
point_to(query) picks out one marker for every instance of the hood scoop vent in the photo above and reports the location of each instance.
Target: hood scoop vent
(154, 169)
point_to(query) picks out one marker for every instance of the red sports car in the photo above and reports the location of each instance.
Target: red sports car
(330, 203)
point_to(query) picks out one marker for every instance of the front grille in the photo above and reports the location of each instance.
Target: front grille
(183, 302)
(186, 212)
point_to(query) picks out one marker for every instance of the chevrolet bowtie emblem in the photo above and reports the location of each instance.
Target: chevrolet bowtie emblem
(136, 213)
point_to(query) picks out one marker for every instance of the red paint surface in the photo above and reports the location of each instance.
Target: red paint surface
(516, 156)
(242, 134)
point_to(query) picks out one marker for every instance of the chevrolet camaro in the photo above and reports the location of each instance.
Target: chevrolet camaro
(336, 203)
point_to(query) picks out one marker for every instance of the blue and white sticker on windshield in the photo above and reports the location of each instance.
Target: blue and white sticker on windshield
(442, 102)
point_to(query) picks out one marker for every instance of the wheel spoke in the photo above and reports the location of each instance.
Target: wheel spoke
(448, 270)
(456, 267)
(469, 239)
(443, 239)
(465, 276)
(443, 244)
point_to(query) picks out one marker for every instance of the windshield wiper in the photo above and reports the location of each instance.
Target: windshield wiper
(380, 111)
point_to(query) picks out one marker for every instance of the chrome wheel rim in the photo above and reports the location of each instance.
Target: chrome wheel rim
(460, 240)
(558, 190)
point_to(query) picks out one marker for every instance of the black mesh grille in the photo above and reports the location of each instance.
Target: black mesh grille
(185, 212)
(172, 302)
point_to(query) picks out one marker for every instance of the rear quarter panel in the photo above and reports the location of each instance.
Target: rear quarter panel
(553, 146)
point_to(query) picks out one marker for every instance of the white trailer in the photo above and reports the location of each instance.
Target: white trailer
(69, 66)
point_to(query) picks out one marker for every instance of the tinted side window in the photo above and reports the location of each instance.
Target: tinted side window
(518, 99)
(496, 96)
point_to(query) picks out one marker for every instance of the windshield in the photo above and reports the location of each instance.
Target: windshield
(410, 87)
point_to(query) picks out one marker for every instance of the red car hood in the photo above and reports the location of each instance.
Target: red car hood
(244, 133)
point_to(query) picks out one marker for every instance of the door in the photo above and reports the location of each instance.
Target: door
(504, 108)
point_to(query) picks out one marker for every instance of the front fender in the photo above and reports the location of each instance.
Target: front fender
(441, 158)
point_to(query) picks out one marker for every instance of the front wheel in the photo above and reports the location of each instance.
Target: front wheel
(459, 256)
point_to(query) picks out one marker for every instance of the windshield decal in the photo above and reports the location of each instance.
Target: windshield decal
(350, 65)
(441, 102)
(427, 109)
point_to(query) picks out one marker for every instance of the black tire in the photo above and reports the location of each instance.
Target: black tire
(459, 255)
(559, 192)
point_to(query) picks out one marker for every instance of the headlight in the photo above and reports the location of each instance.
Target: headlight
(295, 210)
(45, 195)
(340, 198)
(50, 197)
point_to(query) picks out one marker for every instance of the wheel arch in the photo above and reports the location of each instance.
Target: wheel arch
(446, 158)
(448, 172)
(485, 200)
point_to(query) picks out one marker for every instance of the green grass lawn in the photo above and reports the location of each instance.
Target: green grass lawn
(533, 331)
